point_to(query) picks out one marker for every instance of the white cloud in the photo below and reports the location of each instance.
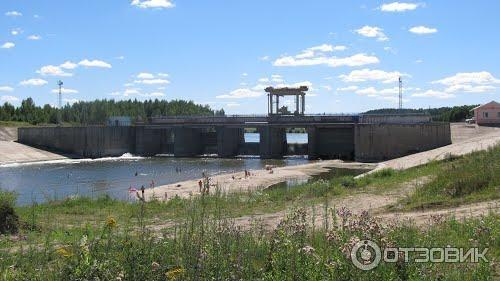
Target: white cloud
(129, 92)
(264, 80)
(52, 70)
(433, 94)
(240, 94)
(159, 4)
(322, 48)
(347, 89)
(8, 45)
(94, 63)
(327, 87)
(9, 99)
(120, 57)
(482, 77)
(154, 95)
(69, 65)
(470, 89)
(422, 30)
(16, 31)
(264, 58)
(34, 37)
(152, 81)
(65, 91)
(398, 7)
(232, 104)
(372, 32)
(145, 75)
(372, 75)
(319, 51)
(277, 79)
(6, 89)
(70, 101)
(308, 84)
(355, 60)
(13, 14)
(161, 74)
(33, 82)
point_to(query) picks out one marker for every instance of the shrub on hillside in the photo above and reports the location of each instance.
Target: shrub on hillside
(9, 220)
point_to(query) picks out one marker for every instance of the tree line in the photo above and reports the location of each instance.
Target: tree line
(443, 114)
(98, 111)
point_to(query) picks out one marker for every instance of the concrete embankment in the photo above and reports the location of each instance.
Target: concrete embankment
(465, 139)
(8, 134)
(13, 152)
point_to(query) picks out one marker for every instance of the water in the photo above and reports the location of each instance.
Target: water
(290, 137)
(113, 176)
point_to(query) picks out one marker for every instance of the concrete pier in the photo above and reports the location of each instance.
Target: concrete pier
(229, 141)
(331, 142)
(272, 142)
(187, 142)
(150, 142)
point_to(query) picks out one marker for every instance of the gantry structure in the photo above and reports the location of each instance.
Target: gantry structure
(274, 94)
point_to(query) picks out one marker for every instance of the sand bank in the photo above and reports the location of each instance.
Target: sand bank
(258, 180)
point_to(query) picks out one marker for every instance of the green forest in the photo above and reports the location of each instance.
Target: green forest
(98, 111)
(443, 114)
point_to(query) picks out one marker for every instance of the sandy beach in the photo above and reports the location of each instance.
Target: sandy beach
(258, 179)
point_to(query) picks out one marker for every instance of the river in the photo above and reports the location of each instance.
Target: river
(113, 176)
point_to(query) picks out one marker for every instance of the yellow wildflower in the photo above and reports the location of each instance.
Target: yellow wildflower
(63, 252)
(111, 222)
(173, 274)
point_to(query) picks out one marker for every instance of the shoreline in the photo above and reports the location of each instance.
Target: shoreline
(258, 180)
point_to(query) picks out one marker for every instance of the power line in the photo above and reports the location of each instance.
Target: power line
(400, 93)
(60, 84)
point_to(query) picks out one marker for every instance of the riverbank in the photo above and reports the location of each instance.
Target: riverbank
(257, 180)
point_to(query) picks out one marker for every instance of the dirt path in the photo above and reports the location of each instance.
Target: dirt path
(375, 204)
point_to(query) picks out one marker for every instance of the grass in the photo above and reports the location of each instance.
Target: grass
(460, 180)
(198, 238)
(207, 245)
(14, 124)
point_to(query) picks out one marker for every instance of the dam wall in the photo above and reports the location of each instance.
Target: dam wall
(363, 142)
(380, 142)
(92, 142)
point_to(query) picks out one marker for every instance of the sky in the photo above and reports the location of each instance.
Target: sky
(225, 53)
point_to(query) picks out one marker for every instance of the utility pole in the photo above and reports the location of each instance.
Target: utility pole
(59, 116)
(400, 93)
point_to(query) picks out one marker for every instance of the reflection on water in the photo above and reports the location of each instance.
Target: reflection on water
(114, 176)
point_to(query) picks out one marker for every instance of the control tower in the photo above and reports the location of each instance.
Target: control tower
(273, 104)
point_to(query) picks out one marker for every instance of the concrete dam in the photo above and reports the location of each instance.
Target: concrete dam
(364, 138)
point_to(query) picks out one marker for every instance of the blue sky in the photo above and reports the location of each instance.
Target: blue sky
(223, 53)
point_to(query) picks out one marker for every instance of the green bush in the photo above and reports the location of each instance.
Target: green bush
(384, 173)
(9, 220)
(348, 182)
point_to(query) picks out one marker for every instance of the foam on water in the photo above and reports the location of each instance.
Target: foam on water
(124, 157)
